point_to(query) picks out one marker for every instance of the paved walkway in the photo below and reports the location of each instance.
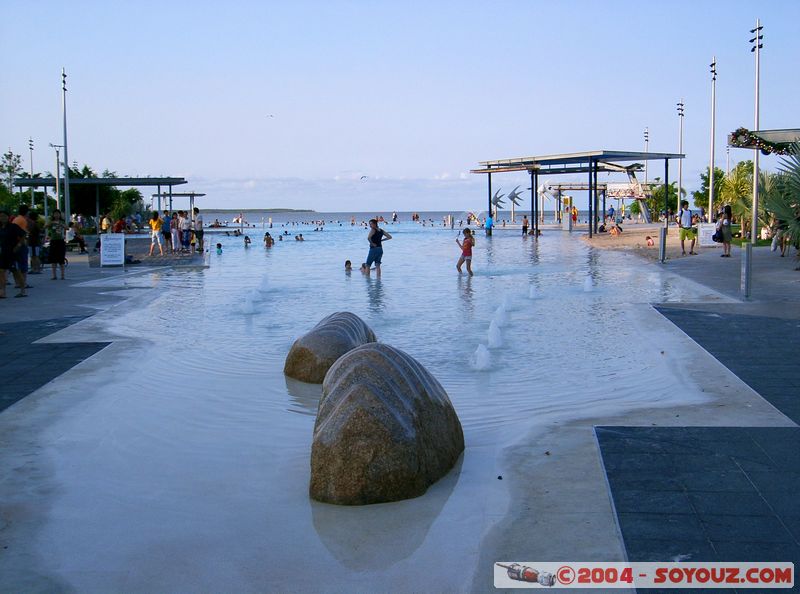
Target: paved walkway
(720, 493)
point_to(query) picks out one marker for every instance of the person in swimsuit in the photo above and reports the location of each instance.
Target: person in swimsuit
(466, 251)
(375, 237)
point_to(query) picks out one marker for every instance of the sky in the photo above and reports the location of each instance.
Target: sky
(290, 104)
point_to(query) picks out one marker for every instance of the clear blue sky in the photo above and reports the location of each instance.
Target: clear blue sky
(410, 94)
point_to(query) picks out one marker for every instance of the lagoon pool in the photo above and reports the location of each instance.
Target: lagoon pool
(177, 459)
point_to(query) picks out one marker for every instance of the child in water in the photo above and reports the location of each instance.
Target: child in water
(219, 249)
(466, 250)
(348, 266)
(247, 241)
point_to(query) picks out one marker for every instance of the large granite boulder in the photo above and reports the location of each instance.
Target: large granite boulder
(313, 354)
(385, 429)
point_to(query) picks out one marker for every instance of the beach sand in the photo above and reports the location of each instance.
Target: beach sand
(634, 238)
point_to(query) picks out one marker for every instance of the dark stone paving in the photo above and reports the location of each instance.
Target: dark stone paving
(763, 352)
(705, 493)
(716, 493)
(27, 366)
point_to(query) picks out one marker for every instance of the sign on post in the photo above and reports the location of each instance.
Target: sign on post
(112, 249)
(704, 233)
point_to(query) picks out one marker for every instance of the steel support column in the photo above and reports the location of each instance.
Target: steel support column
(533, 197)
(666, 193)
(591, 213)
(595, 198)
(535, 191)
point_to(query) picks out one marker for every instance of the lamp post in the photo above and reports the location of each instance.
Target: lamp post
(727, 160)
(30, 146)
(646, 146)
(58, 177)
(680, 152)
(66, 158)
(713, 67)
(757, 45)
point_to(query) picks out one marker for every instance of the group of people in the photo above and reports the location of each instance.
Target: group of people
(182, 231)
(27, 241)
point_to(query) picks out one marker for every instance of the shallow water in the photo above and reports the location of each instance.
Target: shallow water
(183, 459)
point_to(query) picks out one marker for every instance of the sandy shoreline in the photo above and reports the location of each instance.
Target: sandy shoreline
(634, 238)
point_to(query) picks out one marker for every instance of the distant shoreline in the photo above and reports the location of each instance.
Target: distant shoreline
(251, 210)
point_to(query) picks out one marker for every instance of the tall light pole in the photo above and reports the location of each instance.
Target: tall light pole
(58, 177)
(757, 45)
(66, 158)
(30, 146)
(680, 152)
(713, 133)
(646, 147)
(727, 160)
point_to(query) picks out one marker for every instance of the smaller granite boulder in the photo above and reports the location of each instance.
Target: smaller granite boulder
(386, 429)
(313, 354)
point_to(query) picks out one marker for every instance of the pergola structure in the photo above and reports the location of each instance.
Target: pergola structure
(589, 162)
(171, 195)
(51, 182)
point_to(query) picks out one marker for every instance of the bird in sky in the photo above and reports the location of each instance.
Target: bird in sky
(364, 177)
(269, 115)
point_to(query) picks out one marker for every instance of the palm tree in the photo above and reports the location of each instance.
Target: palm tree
(783, 202)
(737, 190)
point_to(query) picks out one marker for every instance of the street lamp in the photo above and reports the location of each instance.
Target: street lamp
(757, 45)
(58, 177)
(30, 146)
(727, 160)
(66, 158)
(713, 67)
(646, 145)
(680, 152)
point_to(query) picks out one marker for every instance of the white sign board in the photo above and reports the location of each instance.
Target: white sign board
(112, 249)
(704, 233)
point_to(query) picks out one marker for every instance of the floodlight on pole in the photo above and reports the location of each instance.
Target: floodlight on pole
(680, 151)
(66, 157)
(646, 146)
(30, 146)
(58, 177)
(713, 67)
(757, 45)
(727, 160)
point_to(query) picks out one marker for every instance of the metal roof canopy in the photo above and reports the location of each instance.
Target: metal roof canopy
(171, 195)
(48, 182)
(548, 164)
(39, 182)
(591, 162)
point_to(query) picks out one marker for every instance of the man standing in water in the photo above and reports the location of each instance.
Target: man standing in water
(375, 237)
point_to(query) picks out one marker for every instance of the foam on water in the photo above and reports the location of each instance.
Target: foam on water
(494, 336)
(204, 447)
(482, 359)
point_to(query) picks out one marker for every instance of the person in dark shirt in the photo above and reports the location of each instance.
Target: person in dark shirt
(375, 237)
(12, 249)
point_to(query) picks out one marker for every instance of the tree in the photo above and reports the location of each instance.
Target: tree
(10, 167)
(125, 203)
(737, 191)
(783, 201)
(700, 197)
(656, 201)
